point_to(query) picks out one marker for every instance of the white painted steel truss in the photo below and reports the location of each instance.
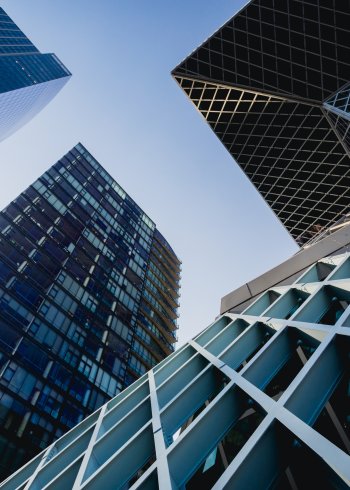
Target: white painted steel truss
(257, 400)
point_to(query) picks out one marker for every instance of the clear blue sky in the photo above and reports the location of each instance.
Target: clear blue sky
(123, 105)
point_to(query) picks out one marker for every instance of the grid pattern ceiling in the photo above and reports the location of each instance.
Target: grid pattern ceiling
(261, 82)
(271, 381)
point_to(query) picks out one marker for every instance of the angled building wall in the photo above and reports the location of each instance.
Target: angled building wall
(286, 272)
(272, 83)
(88, 302)
(257, 400)
(28, 78)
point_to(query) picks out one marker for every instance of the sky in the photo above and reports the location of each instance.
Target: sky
(124, 106)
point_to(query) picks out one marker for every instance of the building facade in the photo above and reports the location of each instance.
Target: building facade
(88, 302)
(273, 84)
(258, 400)
(29, 79)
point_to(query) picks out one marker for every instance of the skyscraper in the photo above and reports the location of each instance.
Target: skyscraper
(258, 400)
(273, 84)
(88, 302)
(28, 78)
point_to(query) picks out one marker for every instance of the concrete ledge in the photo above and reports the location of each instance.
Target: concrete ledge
(334, 243)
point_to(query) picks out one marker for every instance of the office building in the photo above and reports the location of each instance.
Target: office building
(258, 400)
(273, 84)
(28, 78)
(88, 302)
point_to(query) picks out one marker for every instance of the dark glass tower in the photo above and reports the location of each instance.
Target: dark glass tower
(28, 78)
(88, 302)
(274, 85)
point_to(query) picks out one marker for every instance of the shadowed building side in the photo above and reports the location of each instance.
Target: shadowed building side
(273, 85)
(88, 302)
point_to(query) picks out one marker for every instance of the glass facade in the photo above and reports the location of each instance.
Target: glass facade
(88, 302)
(259, 400)
(23, 71)
(273, 84)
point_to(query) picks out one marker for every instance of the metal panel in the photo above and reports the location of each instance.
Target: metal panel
(205, 420)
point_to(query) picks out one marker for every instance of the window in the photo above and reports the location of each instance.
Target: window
(19, 381)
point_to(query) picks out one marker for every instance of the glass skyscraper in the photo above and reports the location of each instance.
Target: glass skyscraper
(88, 302)
(274, 85)
(28, 78)
(259, 400)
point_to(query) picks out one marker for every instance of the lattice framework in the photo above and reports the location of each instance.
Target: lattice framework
(268, 375)
(273, 85)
